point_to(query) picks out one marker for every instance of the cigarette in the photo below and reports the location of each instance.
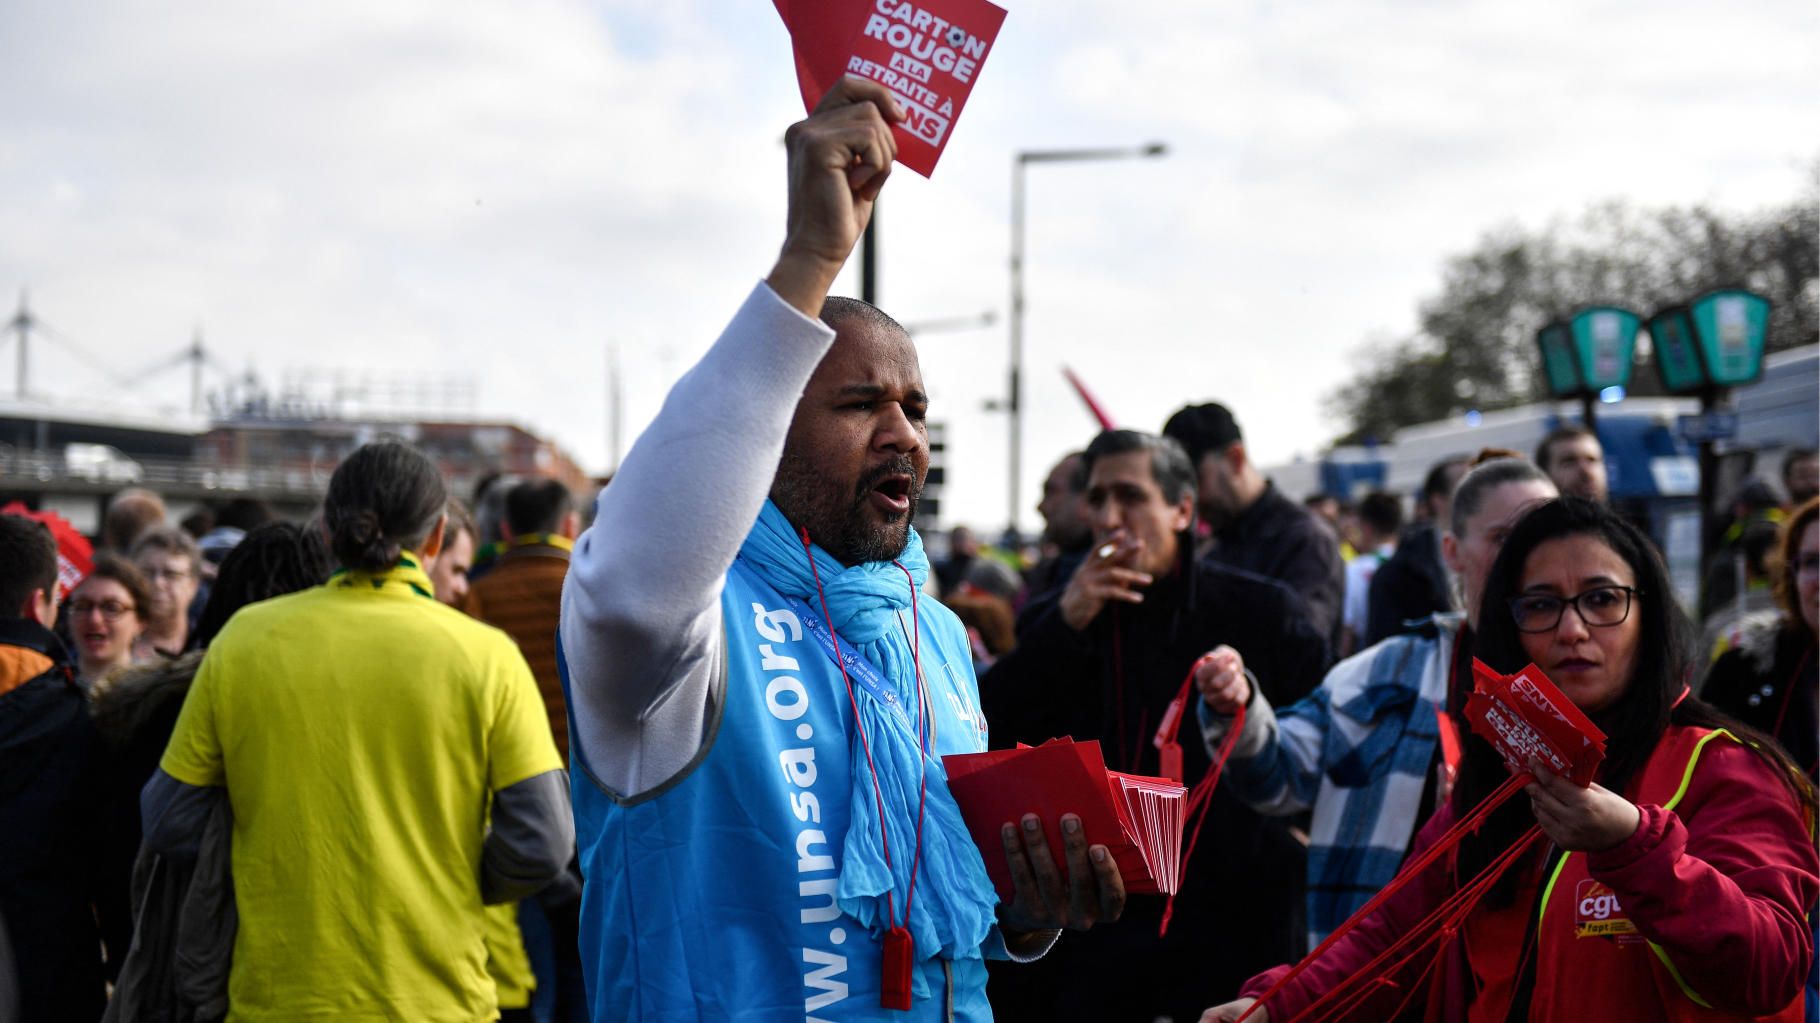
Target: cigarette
(1106, 550)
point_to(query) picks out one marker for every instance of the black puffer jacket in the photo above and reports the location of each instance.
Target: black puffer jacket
(50, 826)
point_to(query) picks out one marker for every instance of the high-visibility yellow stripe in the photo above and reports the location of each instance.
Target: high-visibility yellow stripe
(1549, 889)
(1676, 974)
(1687, 777)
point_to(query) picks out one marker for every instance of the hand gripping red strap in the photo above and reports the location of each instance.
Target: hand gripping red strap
(1439, 924)
(1522, 716)
(1169, 756)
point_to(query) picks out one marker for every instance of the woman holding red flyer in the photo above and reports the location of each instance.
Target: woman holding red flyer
(1674, 887)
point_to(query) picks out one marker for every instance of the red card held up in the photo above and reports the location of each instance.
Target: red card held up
(927, 52)
(1525, 715)
(1139, 820)
(821, 38)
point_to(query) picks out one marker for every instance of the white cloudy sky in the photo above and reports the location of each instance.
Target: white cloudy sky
(499, 190)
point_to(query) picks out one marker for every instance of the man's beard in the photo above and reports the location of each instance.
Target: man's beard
(1075, 537)
(840, 522)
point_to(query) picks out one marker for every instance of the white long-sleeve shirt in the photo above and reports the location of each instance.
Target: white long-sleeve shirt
(641, 619)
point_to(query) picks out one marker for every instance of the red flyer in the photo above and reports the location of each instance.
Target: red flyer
(1525, 715)
(927, 52)
(821, 35)
(1138, 819)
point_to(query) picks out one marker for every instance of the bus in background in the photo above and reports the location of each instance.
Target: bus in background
(1654, 474)
(1777, 414)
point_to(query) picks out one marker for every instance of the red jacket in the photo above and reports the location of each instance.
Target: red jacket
(1720, 883)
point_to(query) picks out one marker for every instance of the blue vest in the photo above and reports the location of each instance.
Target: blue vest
(713, 897)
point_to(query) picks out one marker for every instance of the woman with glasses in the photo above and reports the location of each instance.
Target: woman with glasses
(1363, 752)
(1768, 677)
(1672, 888)
(106, 615)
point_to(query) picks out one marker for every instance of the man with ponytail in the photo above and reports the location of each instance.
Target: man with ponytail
(389, 767)
(759, 696)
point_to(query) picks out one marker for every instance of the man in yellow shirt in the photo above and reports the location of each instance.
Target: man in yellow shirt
(363, 731)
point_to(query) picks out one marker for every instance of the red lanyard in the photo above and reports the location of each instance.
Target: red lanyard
(1169, 756)
(900, 946)
(1429, 934)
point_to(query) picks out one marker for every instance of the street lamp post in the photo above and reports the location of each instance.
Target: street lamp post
(1015, 397)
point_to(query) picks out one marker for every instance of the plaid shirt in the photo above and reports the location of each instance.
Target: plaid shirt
(1357, 751)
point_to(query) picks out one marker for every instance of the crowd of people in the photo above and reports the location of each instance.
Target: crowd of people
(421, 759)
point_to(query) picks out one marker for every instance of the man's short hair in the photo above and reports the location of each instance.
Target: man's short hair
(1793, 456)
(490, 509)
(839, 309)
(28, 562)
(1757, 540)
(1544, 454)
(244, 513)
(198, 522)
(1169, 464)
(1203, 428)
(537, 506)
(1076, 479)
(1441, 476)
(483, 483)
(1755, 496)
(167, 540)
(130, 513)
(460, 520)
(1382, 512)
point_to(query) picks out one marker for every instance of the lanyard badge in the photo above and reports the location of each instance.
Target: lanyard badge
(899, 953)
(1169, 749)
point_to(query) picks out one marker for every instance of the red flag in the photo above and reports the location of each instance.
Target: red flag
(1093, 405)
(75, 556)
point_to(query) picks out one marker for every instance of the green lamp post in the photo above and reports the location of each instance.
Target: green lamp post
(1707, 347)
(1589, 353)
(1559, 366)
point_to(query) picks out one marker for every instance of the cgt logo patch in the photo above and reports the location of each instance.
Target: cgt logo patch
(1597, 913)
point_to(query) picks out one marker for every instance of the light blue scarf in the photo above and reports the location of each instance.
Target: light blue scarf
(954, 906)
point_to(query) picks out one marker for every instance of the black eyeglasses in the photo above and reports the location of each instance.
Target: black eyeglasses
(1601, 607)
(110, 609)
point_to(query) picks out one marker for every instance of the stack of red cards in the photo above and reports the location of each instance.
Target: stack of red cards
(1138, 819)
(1525, 716)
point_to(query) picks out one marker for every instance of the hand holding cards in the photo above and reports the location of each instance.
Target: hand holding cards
(1138, 819)
(840, 157)
(1525, 716)
(928, 53)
